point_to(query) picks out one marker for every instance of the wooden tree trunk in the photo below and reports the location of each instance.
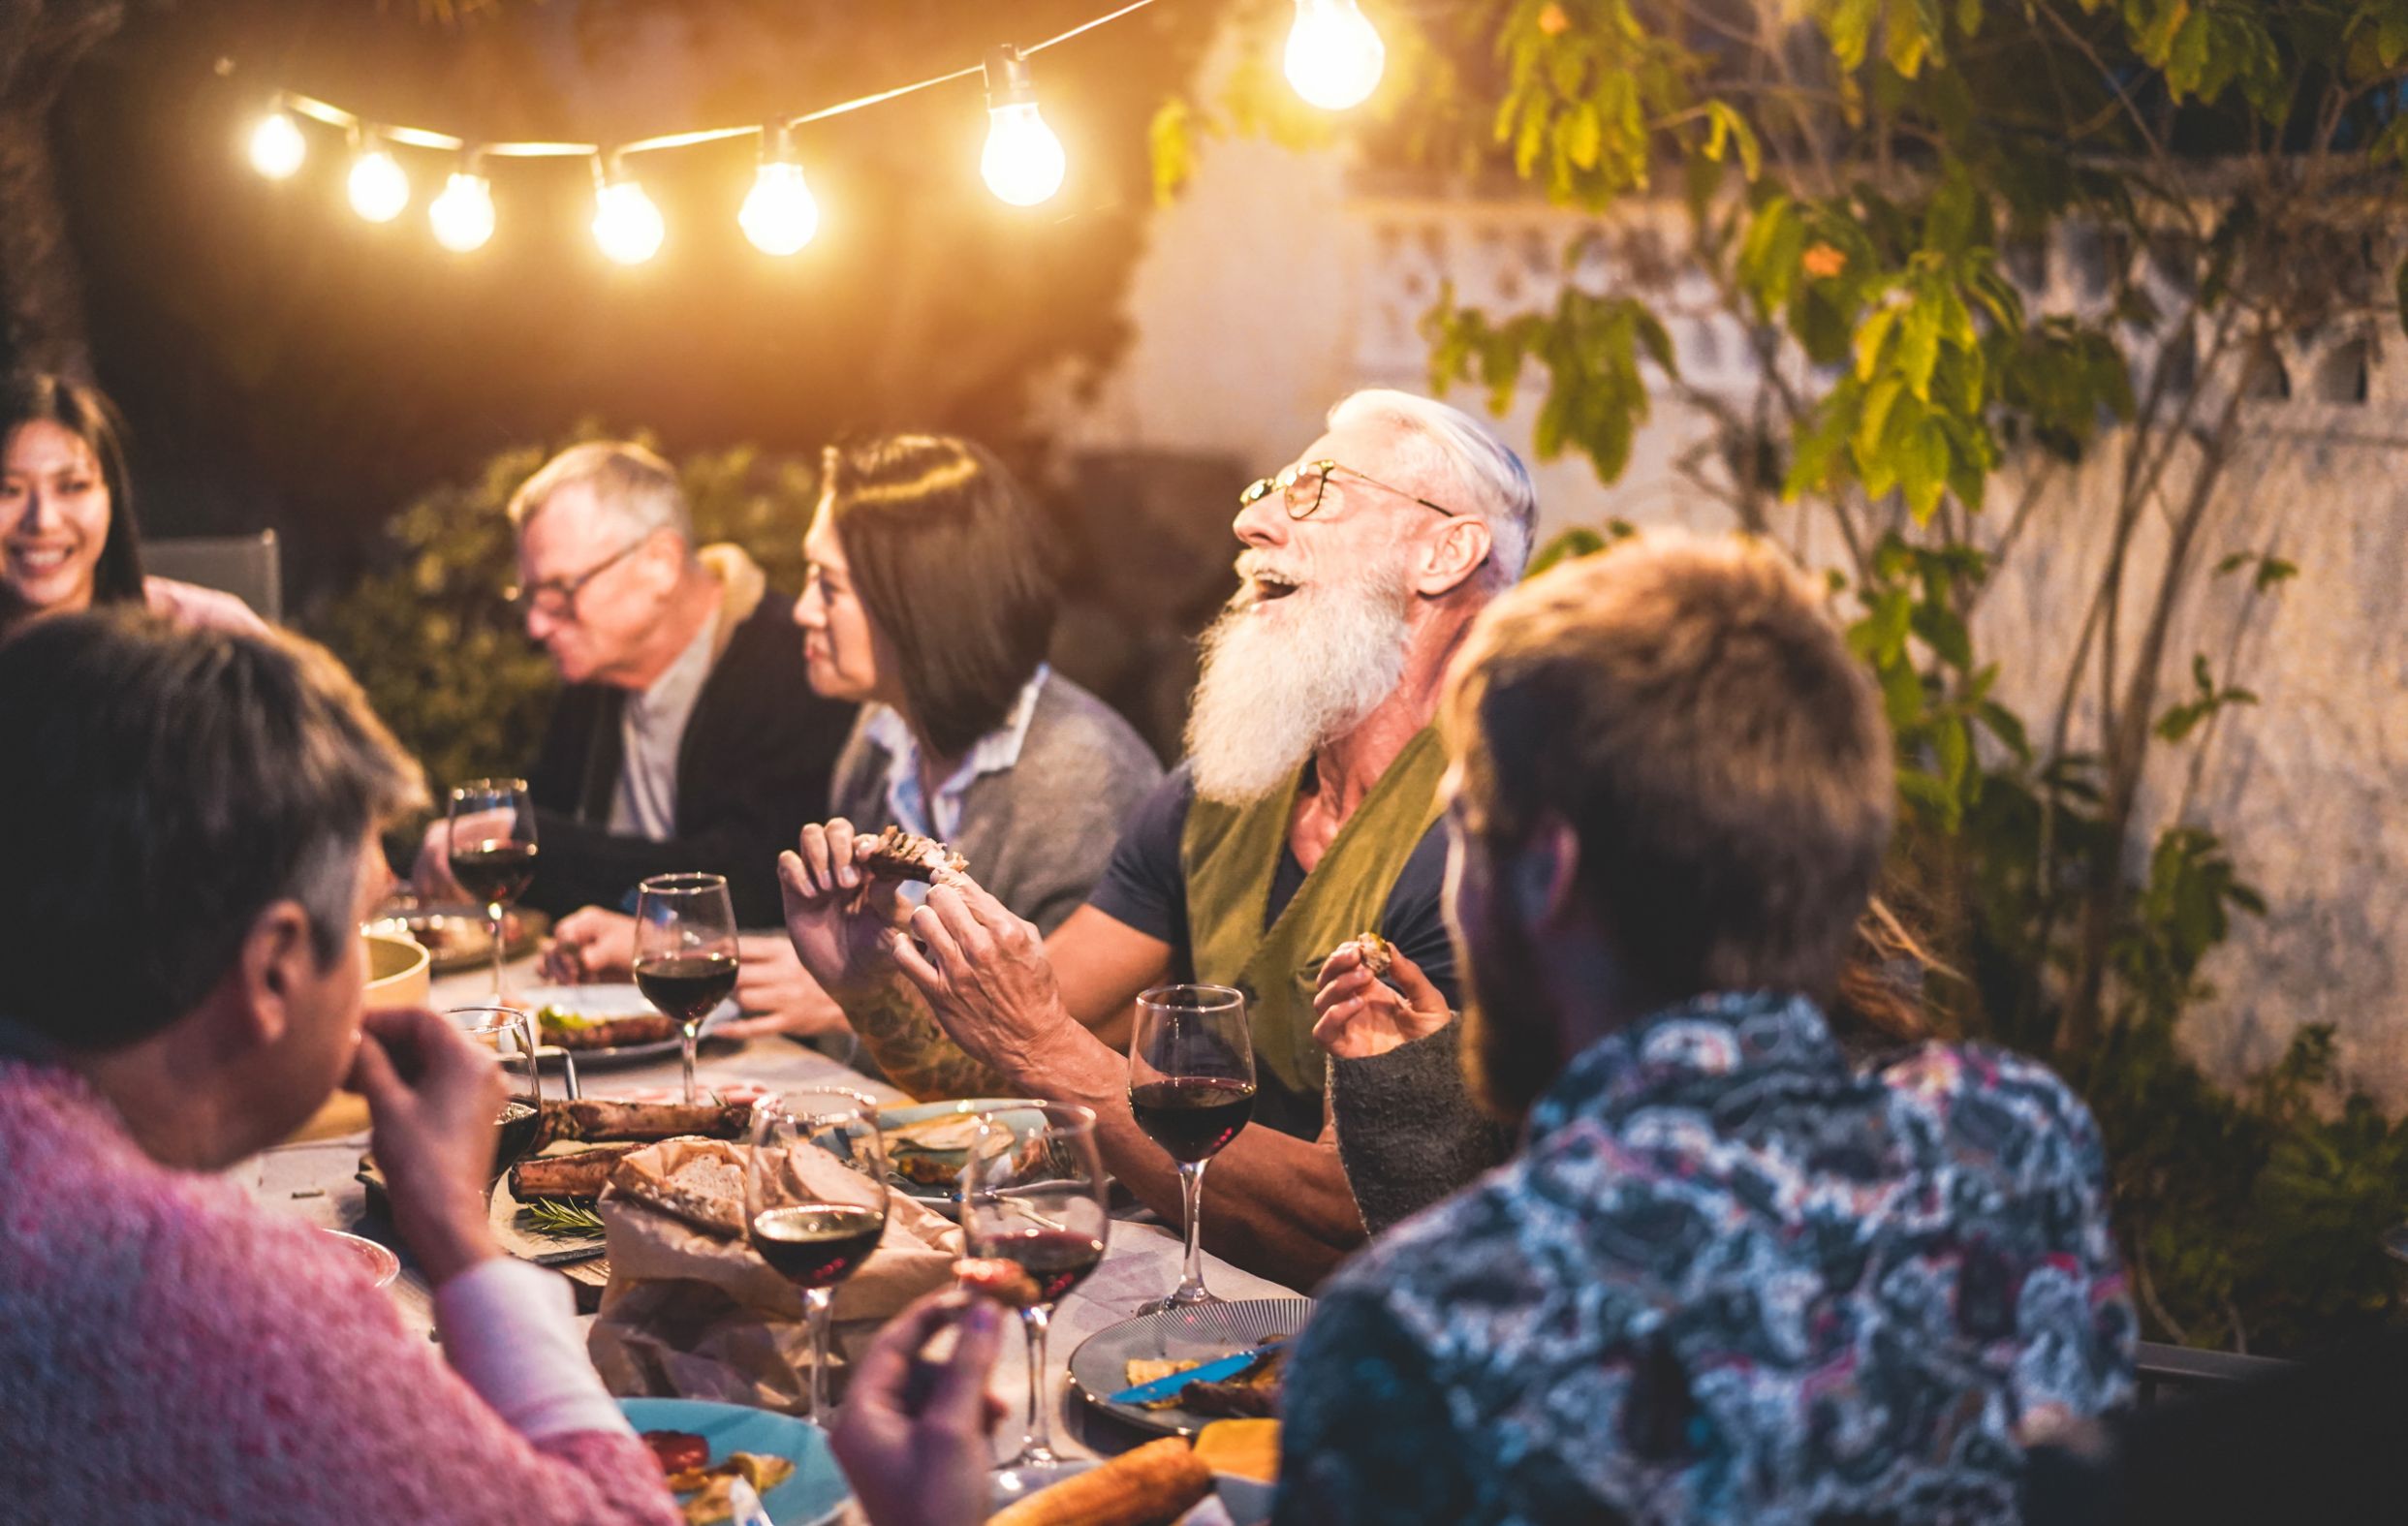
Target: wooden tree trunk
(41, 299)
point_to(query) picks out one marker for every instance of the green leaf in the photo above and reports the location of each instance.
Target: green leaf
(2235, 562)
(1572, 543)
(2272, 570)
(1583, 134)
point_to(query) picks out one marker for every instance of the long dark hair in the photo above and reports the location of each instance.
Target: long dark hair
(45, 397)
(952, 563)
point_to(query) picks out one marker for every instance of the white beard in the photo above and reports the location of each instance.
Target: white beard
(1281, 678)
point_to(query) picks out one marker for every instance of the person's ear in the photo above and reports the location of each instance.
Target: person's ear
(1452, 556)
(1545, 872)
(279, 960)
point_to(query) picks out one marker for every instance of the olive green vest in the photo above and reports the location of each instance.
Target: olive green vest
(1230, 854)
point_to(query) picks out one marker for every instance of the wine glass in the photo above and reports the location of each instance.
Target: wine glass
(492, 850)
(815, 1201)
(511, 1034)
(1033, 1194)
(1191, 1088)
(685, 951)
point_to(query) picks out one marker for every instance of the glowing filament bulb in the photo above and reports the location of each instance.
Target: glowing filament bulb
(379, 189)
(1335, 57)
(463, 214)
(1024, 161)
(779, 215)
(626, 224)
(277, 146)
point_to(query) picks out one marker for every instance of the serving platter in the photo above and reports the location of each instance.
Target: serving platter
(1198, 1333)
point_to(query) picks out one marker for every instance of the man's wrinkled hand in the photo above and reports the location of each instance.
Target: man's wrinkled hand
(1357, 1015)
(985, 974)
(590, 943)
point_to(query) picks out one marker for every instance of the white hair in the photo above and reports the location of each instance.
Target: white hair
(628, 483)
(1485, 477)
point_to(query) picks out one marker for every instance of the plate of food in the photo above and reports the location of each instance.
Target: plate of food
(1159, 1346)
(928, 1144)
(1159, 1482)
(703, 1447)
(605, 1023)
(460, 937)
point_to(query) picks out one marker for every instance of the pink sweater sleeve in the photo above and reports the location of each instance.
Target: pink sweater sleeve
(314, 1403)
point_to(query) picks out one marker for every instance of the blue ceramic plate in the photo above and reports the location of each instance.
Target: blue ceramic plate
(812, 1496)
(896, 1123)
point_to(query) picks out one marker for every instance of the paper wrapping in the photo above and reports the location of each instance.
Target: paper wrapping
(698, 1315)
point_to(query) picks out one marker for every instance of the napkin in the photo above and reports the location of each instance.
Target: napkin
(691, 1312)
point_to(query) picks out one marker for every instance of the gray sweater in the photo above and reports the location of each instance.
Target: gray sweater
(1409, 1132)
(1037, 834)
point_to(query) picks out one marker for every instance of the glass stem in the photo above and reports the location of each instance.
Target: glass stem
(1191, 1189)
(816, 1302)
(493, 913)
(1037, 1320)
(688, 1032)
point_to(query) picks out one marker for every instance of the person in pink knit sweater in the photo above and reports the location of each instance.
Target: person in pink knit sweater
(191, 820)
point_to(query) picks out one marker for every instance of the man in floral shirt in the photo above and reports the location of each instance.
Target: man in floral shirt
(1729, 1277)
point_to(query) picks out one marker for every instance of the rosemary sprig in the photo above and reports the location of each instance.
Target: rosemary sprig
(556, 1216)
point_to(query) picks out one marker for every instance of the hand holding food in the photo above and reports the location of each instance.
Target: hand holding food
(590, 943)
(986, 976)
(1373, 999)
(839, 915)
(916, 1452)
(432, 1098)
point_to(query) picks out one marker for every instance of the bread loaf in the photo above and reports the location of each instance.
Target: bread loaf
(1157, 1481)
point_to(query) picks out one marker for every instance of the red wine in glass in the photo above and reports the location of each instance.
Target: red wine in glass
(514, 1134)
(816, 1244)
(688, 987)
(1191, 1118)
(1055, 1259)
(494, 871)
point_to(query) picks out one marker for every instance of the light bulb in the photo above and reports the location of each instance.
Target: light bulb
(1023, 159)
(626, 224)
(463, 214)
(779, 216)
(277, 146)
(379, 189)
(1335, 57)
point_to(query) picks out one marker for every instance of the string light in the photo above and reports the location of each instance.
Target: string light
(1024, 161)
(463, 214)
(379, 187)
(1335, 55)
(779, 215)
(277, 146)
(626, 224)
(1335, 58)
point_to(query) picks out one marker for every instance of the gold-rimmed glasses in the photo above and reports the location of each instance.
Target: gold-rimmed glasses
(1301, 487)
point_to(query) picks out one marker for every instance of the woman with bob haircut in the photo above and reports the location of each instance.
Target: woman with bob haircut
(929, 600)
(68, 535)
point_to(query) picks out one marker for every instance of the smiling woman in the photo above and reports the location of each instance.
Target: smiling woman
(68, 536)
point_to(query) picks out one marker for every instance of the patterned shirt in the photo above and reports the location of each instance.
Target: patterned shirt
(1729, 1279)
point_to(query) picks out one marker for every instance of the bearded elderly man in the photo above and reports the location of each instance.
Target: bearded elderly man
(1305, 816)
(689, 737)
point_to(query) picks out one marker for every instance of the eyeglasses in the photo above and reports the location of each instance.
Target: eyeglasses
(556, 596)
(1301, 487)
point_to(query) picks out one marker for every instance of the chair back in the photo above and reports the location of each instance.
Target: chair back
(247, 566)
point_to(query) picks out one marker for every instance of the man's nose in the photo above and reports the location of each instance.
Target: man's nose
(1264, 522)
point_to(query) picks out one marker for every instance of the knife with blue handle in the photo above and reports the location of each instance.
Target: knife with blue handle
(1210, 1372)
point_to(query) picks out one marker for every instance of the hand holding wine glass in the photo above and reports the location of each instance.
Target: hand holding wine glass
(1191, 1088)
(815, 1201)
(685, 951)
(1033, 1194)
(492, 850)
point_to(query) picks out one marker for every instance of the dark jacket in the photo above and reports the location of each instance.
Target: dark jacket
(753, 768)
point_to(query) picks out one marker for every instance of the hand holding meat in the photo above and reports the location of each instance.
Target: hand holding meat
(1359, 1015)
(432, 1098)
(914, 1460)
(985, 976)
(837, 913)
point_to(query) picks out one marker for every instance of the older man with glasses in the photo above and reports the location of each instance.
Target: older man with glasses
(1305, 816)
(689, 737)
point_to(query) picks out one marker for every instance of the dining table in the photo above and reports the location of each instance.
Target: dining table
(317, 1179)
